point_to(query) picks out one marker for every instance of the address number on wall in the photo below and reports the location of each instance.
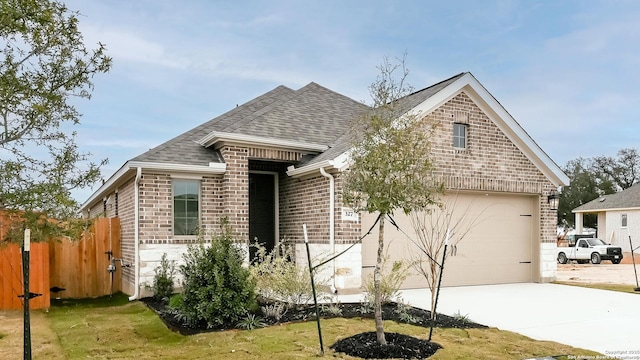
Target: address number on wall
(349, 215)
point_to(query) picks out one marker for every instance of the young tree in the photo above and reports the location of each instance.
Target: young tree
(432, 226)
(391, 165)
(44, 64)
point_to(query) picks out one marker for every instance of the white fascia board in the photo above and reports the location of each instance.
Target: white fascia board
(501, 118)
(106, 186)
(301, 171)
(212, 168)
(130, 166)
(342, 161)
(606, 210)
(242, 139)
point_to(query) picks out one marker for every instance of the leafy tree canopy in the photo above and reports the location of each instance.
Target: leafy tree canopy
(594, 177)
(391, 166)
(44, 65)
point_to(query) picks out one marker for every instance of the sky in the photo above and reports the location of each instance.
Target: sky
(567, 71)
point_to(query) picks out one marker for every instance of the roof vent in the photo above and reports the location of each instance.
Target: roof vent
(602, 199)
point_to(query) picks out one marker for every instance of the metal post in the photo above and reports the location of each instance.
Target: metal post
(26, 247)
(633, 258)
(313, 287)
(435, 307)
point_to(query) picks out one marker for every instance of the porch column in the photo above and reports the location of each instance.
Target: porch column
(235, 188)
(579, 218)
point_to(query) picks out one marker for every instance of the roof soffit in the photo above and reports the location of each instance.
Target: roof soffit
(218, 139)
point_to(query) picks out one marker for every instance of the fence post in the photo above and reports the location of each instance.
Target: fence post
(26, 247)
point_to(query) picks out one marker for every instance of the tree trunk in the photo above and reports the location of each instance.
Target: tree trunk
(376, 286)
(433, 285)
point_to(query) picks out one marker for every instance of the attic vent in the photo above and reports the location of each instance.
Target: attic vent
(461, 117)
(602, 199)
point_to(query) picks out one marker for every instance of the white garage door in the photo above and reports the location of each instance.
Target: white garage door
(497, 249)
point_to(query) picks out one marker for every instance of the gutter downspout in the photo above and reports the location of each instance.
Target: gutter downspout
(332, 212)
(136, 231)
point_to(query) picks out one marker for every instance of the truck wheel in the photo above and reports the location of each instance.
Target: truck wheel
(562, 258)
(615, 261)
(595, 258)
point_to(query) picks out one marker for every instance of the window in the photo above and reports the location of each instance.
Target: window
(460, 135)
(186, 209)
(624, 220)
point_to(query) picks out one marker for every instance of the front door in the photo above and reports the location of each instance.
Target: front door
(262, 211)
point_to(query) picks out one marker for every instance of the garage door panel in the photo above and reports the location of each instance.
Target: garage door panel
(496, 249)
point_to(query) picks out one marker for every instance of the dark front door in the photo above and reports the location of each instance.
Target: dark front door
(262, 219)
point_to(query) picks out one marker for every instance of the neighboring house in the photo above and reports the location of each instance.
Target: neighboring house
(618, 217)
(277, 161)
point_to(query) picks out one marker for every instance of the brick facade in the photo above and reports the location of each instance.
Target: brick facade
(491, 162)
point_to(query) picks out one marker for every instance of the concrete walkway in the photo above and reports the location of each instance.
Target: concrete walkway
(604, 321)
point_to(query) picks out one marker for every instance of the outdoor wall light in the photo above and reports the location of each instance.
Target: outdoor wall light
(553, 199)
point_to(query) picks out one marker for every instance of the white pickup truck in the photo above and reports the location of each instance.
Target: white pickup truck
(585, 249)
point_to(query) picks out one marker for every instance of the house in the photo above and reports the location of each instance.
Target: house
(618, 217)
(277, 161)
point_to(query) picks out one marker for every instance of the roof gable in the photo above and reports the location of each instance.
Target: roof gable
(427, 100)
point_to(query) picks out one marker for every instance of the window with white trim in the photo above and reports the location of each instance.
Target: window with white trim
(460, 135)
(186, 207)
(623, 220)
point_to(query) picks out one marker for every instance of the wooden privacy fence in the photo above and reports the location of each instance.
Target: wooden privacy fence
(79, 267)
(11, 280)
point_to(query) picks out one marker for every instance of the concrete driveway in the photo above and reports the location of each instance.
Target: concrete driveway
(604, 321)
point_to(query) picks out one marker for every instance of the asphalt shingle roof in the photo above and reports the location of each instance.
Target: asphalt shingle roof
(343, 143)
(312, 114)
(416, 98)
(628, 198)
(184, 149)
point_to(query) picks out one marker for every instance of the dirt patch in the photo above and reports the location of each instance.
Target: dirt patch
(604, 273)
(626, 259)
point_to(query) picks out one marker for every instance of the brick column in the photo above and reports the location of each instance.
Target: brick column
(235, 190)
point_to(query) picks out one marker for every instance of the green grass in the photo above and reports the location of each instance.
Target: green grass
(602, 286)
(109, 328)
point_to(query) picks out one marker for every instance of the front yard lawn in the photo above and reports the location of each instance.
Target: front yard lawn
(602, 286)
(115, 329)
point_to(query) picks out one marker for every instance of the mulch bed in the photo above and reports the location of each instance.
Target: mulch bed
(363, 345)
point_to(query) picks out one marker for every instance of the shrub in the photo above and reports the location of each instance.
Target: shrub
(217, 289)
(163, 279)
(390, 281)
(175, 301)
(250, 322)
(274, 311)
(279, 279)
